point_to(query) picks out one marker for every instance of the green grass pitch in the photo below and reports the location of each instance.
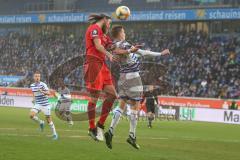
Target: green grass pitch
(168, 140)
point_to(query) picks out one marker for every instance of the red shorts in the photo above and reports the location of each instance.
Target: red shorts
(97, 75)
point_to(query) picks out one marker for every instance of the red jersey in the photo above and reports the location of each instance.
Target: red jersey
(94, 31)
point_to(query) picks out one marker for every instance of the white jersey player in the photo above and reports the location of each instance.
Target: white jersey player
(64, 103)
(41, 104)
(130, 84)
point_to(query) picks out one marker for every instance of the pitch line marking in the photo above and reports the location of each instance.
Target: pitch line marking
(79, 136)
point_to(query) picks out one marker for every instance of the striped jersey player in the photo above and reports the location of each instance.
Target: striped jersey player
(130, 62)
(129, 84)
(64, 103)
(41, 104)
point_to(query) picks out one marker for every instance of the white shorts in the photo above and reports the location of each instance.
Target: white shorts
(130, 86)
(45, 109)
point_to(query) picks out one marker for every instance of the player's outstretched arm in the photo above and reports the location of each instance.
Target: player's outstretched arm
(120, 51)
(150, 53)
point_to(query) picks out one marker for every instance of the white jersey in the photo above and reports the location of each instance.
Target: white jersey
(128, 63)
(65, 94)
(40, 98)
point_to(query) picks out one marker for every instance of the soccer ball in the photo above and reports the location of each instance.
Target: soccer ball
(122, 12)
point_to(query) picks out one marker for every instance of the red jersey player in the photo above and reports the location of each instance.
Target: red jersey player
(97, 75)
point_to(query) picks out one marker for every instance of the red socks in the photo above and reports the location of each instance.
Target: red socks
(106, 108)
(91, 114)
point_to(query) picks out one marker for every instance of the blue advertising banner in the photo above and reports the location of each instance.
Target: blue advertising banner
(161, 15)
(63, 18)
(10, 79)
(44, 18)
(164, 15)
(187, 15)
(218, 14)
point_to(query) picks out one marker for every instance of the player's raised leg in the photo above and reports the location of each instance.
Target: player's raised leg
(115, 119)
(111, 96)
(35, 118)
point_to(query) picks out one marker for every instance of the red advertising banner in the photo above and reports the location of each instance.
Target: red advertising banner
(16, 91)
(195, 102)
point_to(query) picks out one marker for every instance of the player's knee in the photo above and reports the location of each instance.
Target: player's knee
(48, 118)
(93, 100)
(111, 97)
(133, 104)
(67, 113)
(94, 95)
(31, 116)
(114, 96)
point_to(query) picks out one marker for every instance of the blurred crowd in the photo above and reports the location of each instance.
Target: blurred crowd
(199, 65)
(24, 54)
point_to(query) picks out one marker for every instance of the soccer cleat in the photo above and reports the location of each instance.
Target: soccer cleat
(100, 129)
(108, 138)
(132, 142)
(41, 125)
(149, 126)
(93, 134)
(55, 137)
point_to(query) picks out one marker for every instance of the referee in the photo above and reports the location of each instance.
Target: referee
(151, 98)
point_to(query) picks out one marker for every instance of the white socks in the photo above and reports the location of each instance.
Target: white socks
(51, 125)
(116, 117)
(133, 123)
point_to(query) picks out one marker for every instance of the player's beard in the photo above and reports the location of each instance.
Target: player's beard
(105, 28)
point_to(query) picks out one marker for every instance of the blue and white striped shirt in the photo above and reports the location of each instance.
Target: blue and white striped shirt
(128, 63)
(40, 98)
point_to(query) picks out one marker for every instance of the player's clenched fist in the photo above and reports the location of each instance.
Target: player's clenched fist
(165, 52)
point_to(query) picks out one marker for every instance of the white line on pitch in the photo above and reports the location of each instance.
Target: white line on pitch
(150, 138)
